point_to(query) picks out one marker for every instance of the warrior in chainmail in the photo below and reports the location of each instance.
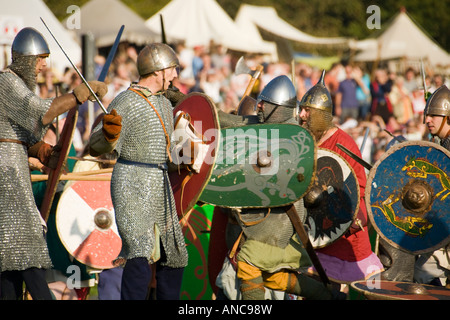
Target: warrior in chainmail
(430, 268)
(269, 253)
(437, 115)
(24, 120)
(349, 258)
(138, 127)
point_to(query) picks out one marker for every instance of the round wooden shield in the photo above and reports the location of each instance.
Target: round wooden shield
(393, 290)
(261, 166)
(187, 185)
(86, 225)
(408, 196)
(64, 143)
(332, 201)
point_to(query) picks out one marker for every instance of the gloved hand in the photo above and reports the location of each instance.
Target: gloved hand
(41, 151)
(112, 125)
(82, 92)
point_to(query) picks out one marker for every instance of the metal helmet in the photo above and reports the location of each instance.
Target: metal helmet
(155, 57)
(438, 104)
(318, 97)
(29, 42)
(280, 91)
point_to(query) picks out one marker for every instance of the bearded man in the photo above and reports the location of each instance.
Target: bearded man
(349, 258)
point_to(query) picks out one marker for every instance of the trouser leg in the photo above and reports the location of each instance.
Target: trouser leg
(308, 287)
(168, 282)
(136, 279)
(36, 284)
(298, 284)
(252, 284)
(109, 283)
(11, 285)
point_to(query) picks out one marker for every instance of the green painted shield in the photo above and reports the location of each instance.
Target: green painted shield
(262, 165)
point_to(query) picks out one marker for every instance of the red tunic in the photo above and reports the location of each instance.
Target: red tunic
(353, 246)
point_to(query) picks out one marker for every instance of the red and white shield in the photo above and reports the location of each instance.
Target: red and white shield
(86, 225)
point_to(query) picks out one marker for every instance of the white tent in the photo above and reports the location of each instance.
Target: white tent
(251, 18)
(18, 14)
(103, 19)
(402, 39)
(198, 22)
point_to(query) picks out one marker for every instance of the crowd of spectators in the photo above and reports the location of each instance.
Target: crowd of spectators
(372, 109)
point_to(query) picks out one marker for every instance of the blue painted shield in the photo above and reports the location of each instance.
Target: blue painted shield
(408, 196)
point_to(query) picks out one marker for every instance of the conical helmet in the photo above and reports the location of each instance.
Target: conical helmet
(155, 57)
(29, 42)
(318, 97)
(280, 91)
(438, 104)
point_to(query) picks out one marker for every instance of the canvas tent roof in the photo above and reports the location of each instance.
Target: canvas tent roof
(197, 22)
(103, 19)
(17, 14)
(402, 39)
(251, 18)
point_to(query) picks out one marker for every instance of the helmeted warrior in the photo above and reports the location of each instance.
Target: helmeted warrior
(350, 257)
(24, 120)
(437, 115)
(270, 253)
(431, 267)
(138, 128)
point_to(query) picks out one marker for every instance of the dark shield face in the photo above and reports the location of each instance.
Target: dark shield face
(333, 201)
(408, 196)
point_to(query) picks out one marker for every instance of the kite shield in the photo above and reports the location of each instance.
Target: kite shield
(201, 115)
(333, 199)
(408, 196)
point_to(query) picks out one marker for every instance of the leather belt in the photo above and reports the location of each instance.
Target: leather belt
(14, 141)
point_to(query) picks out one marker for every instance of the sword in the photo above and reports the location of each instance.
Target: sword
(354, 156)
(76, 69)
(298, 226)
(110, 57)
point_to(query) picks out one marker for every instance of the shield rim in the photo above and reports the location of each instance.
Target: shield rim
(362, 286)
(55, 174)
(215, 116)
(367, 199)
(313, 174)
(355, 214)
